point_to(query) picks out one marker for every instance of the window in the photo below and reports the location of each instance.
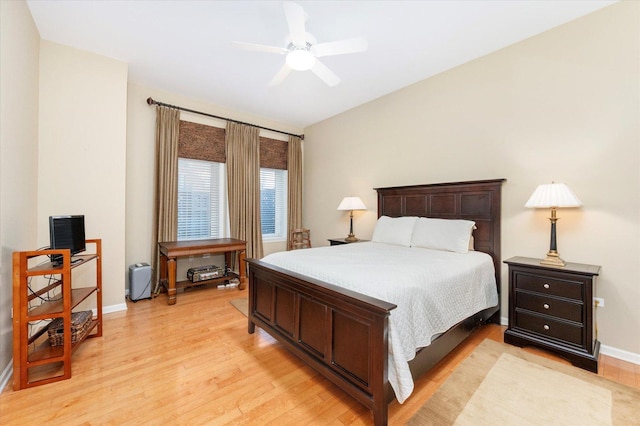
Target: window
(202, 201)
(273, 203)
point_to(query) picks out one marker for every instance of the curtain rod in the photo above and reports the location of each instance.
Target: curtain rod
(151, 101)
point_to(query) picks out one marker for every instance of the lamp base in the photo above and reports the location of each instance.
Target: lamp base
(351, 238)
(553, 259)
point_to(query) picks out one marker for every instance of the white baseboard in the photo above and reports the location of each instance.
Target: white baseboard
(114, 308)
(6, 375)
(111, 309)
(620, 354)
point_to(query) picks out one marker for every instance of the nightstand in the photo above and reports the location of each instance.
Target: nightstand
(552, 308)
(340, 241)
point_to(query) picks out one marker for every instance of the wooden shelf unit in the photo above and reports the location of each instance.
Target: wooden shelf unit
(31, 350)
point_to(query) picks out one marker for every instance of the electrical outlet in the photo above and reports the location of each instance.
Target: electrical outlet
(599, 302)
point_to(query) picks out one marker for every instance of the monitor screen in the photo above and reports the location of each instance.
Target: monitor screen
(66, 232)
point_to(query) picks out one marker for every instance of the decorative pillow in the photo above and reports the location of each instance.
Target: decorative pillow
(443, 234)
(394, 230)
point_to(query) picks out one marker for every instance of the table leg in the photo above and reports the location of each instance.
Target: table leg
(242, 269)
(171, 291)
(251, 326)
(163, 270)
(228, 261)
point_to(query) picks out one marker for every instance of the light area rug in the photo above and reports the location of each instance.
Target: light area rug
(241, 304)
(499, 384)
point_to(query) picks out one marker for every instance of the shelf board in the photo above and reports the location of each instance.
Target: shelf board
(46, 373)
(54, 308)
(44, 353)
(187, 283)
(50, 268)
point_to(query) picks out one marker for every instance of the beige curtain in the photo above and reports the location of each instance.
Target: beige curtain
(165, 215)
(294, 185)
(243, 182)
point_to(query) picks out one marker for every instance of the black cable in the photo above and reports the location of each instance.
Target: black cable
(49, 298)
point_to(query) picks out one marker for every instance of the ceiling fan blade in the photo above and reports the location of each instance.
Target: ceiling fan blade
(259, 47)
(281, 75)
(325, 74)
(295, 19)
(351, 45)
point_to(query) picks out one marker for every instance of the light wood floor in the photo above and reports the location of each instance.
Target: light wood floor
(194, 363)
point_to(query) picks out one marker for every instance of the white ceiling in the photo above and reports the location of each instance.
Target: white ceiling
(185, 47)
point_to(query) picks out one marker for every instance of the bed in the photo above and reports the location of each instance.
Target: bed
(344, 334)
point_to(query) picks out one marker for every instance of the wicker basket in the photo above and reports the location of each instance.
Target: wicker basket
(80, 325)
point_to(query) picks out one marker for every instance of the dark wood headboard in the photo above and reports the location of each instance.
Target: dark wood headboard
(475, 200)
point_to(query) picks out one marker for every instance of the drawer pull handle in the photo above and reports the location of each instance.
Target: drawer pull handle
(546, 327)
(546, 306)
(546, 286)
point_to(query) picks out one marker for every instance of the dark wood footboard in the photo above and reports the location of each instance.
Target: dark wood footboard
(343, 334)
(339, 333)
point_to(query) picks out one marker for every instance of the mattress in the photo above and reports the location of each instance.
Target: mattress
(433, 290)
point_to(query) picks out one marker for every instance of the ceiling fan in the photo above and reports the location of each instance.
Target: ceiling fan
(302, 51)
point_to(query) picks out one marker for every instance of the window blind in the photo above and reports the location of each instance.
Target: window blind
(202, 203)
(273, 203)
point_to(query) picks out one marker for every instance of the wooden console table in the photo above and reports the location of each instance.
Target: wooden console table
(171, 250)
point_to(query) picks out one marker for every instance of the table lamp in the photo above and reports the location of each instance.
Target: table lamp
(553, 196)
(351, 203)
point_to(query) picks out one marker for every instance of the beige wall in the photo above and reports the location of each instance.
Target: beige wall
(563, 106)
(140, 164)
(19, 44)
(82, 154)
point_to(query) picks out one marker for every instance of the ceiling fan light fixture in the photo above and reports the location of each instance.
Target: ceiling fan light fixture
(300, 60)
(302, 50)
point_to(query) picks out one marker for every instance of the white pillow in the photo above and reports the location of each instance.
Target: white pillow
(394, 230)
(442, 234)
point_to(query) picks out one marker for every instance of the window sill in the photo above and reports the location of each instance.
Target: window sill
(269, 240)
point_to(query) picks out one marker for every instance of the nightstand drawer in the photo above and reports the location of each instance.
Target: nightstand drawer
(549, 306)
(548, 327)
(549, 286)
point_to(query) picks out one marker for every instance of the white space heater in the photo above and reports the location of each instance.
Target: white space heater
(139, 282)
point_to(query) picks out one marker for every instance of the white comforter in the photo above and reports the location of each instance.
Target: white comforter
(434, 290)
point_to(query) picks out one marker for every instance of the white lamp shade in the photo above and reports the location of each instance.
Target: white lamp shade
(553, 195)
(351, 203)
